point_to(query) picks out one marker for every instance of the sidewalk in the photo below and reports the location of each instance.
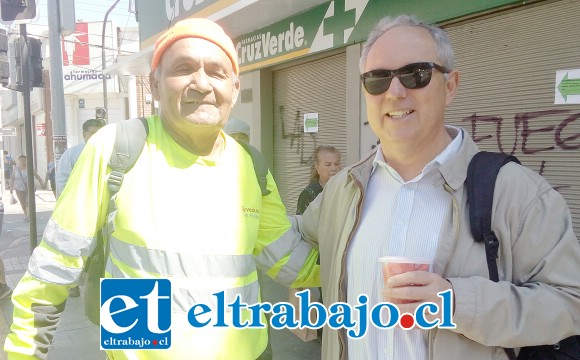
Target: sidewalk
(76, 337)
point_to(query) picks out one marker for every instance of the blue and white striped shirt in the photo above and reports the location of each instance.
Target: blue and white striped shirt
(398, 218)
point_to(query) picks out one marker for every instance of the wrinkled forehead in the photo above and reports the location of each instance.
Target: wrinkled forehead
(196, 49)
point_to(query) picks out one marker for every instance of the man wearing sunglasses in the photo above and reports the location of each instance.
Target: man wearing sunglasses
(407, 198)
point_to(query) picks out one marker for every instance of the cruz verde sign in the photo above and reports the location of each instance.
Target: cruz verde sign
(336, 24)
(264, 45)
(332, 24)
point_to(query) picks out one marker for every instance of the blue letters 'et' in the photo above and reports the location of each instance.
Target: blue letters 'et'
(135, 314)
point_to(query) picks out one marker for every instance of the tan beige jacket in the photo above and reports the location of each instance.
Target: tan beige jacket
(537, 300)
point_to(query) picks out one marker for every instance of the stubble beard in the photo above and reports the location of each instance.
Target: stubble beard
(205, 116)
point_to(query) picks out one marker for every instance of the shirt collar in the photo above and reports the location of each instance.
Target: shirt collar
(444, 156)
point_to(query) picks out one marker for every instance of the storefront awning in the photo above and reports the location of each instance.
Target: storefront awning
(237, 18)
(135, 64)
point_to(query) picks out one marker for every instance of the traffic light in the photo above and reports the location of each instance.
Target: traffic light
(17, 11)
(35, 69)
(15, 64)
(35, 62)
(4, 62)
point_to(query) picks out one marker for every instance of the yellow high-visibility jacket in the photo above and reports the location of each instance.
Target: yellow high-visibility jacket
(201, 222)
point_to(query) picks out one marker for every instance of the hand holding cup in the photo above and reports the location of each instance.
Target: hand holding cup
(395, 265)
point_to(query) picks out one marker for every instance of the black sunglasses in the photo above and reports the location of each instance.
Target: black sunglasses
(412, 76)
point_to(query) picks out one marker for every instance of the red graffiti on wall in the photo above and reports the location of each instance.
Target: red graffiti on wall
(526, 132)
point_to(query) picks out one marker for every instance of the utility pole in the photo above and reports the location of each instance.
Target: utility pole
(103, 58)
(23, 12)
(28, 133)
(56, 83)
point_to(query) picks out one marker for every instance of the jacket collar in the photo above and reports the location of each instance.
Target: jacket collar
(454, 171)
(361, 171)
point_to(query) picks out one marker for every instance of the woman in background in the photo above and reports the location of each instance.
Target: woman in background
(326, 164)
(19, 183)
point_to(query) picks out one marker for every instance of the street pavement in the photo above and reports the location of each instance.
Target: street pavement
(76, 337)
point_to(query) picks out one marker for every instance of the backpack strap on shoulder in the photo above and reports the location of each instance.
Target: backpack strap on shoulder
(481, 175)
(130, 139)
(260, 167)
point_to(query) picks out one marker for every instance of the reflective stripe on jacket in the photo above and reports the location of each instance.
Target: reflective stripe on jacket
(199, 221)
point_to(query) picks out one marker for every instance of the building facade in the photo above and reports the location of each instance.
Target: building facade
(300, 77)
(82, 62)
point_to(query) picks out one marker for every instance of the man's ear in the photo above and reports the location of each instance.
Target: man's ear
(236, 90)
(451, 86)
(154, 83)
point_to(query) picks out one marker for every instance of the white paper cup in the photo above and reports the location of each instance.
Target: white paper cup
(395, 265)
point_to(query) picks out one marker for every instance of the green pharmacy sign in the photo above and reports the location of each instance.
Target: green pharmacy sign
(340, 23)
(569, 87)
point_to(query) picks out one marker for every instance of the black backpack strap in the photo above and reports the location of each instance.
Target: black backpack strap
(260, 167)
(481, 175)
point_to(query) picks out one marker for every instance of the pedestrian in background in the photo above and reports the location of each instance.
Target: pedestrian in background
(326, 164)
(19, 183)
(239, 130)
(71, 155)
(8, 167)
(68, 160)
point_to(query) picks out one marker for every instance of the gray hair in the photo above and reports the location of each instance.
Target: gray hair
(442, 42)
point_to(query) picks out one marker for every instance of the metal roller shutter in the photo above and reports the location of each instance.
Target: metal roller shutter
(313, 87)
(508, 64)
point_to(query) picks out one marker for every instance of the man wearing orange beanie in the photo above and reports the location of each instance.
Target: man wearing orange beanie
(189, 210)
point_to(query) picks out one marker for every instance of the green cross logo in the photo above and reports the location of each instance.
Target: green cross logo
(337, 23)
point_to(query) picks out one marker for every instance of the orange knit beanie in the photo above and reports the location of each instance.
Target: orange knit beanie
(195, 28)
